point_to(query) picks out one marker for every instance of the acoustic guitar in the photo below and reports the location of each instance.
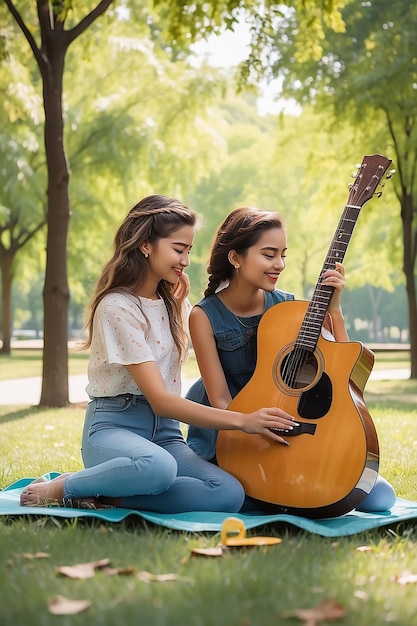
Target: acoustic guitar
(332, 461)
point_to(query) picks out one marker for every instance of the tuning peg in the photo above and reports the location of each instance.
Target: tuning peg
(390, 174)
(378, 194)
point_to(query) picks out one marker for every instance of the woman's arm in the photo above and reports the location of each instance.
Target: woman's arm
(166, 404)
(208, 360)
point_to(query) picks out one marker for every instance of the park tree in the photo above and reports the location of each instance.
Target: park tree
(50, 32)
(366, 74)
(49, 51)
(22, 175)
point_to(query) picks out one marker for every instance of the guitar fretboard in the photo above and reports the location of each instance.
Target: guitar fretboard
(311, 327)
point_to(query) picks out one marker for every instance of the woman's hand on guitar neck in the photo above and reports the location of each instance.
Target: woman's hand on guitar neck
(334, 321)
(335, 278)
(269, 422)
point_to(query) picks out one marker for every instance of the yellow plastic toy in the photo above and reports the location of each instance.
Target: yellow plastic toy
(233, 533)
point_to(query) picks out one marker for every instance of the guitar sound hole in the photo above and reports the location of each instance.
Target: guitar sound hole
(299, 368)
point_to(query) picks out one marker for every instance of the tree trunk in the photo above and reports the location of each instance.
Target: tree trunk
(409, 241)
(412, 314)
(6, 287)
(56, 292)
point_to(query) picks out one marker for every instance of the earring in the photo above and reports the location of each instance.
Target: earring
(146, 255)
(237, 266)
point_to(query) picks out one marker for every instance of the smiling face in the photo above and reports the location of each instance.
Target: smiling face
(261, 265)
(169, 256)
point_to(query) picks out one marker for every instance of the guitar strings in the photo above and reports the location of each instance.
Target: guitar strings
(296, 361)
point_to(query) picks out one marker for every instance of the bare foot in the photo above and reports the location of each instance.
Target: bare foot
(42, 492)
(41, 479)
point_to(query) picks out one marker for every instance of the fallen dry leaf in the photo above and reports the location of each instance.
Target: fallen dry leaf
(147, 577)
(406, 579)
(82, 570)
(364, 549)
(36, 555)
(217, 551)
(329, 609)
(119, 571)
(59, 605)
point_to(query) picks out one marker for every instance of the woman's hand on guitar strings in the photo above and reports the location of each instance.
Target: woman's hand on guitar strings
(270, 422)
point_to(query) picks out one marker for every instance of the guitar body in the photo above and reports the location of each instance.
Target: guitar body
(332, 461)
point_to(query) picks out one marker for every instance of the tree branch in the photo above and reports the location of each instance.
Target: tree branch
(102, 6)
(19, 20)
(24, 236)
(44, 16)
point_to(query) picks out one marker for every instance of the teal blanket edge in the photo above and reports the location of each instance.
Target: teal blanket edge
(209, 521)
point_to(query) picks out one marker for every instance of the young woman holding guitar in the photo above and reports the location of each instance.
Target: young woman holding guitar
(247, 258)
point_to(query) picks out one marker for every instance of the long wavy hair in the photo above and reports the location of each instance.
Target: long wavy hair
(241, 230)
(151, 219)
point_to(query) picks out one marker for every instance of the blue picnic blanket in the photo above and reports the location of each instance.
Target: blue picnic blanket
(201, 521)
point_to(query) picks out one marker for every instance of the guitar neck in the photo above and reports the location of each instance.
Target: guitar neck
(311, 327)
(369, 175)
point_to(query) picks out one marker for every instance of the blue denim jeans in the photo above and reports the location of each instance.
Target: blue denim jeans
(133, 454)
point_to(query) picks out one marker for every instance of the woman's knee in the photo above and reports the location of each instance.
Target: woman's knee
(159, 470)
(230, 495)
(381, 497)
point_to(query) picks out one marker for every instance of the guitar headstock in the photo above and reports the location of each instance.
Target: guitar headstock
(370, 173)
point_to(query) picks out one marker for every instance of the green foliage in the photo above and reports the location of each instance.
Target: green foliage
(22, 172)
(131, 137)
(138, 123)
(187, 21)
(367, 73)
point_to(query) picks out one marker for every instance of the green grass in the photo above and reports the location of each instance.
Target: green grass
(28, 363)
(391, 359)
(245, 587)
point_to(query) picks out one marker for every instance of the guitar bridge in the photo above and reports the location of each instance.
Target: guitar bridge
(302, 428)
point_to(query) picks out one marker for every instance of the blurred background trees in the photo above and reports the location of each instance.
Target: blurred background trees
(142, 115)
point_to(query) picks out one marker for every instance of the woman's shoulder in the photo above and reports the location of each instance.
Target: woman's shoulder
(118, 297)
(215, 311)
(209, 303)
(118, 301)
